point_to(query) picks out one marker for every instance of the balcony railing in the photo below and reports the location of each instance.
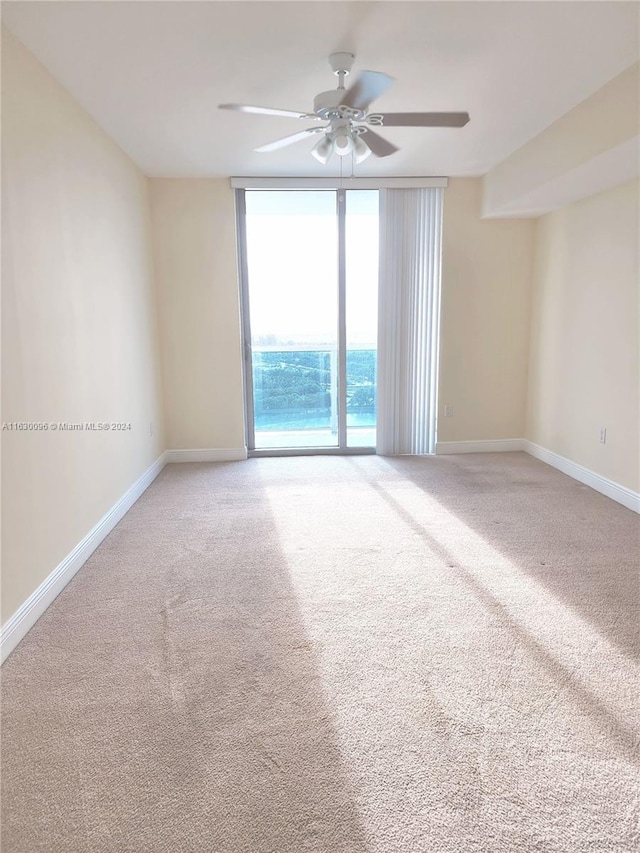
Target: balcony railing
(295, 388)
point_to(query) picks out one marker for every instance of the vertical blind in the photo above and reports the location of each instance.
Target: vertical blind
(408, 324)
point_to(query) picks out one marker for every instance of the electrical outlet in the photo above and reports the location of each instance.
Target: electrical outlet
(603, 435)
(448, 411)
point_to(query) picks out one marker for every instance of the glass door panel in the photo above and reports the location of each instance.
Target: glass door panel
(361, 308)
(292, 272)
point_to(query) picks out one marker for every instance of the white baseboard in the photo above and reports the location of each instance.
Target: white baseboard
(612, 490)
(28, 614)
(212, 454)
(498, 445)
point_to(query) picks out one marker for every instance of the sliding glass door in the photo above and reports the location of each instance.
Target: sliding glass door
(292, 278)
(309, 262)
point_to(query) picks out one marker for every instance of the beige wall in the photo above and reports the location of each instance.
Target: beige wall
(584, 367)
(198, 306)
(485, 315)
(486, 289)
(78, 324)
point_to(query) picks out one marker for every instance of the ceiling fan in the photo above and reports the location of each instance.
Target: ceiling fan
(348, 128)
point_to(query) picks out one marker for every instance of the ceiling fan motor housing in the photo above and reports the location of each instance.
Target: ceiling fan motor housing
(327, 102)
(328, 105)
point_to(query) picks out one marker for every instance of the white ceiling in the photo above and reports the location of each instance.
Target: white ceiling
(152, 73)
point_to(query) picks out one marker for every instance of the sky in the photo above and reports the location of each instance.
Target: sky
(293, 264)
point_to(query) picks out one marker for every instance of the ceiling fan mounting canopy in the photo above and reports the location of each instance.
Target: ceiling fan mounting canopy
(341, 63)
(347, 116)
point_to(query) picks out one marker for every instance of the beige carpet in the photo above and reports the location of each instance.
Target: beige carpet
(340, 655)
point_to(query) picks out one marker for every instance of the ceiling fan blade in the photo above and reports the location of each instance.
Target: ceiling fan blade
(425, 119)
(289, 140)
(379, 146)
(367, 87)
(267, 111)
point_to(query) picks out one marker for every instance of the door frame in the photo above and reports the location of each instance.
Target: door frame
(247, 358)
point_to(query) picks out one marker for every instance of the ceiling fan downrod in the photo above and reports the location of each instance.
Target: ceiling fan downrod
(341, 64)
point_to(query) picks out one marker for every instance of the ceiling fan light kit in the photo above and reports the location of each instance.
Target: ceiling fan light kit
(344, 141)
(322, 150)
(347, 117)
(360, 149)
